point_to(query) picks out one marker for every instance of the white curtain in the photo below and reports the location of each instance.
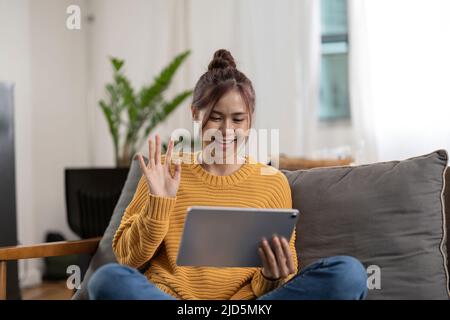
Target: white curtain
(277, 45)
(307, 68)
(400, 88)
(364, 141)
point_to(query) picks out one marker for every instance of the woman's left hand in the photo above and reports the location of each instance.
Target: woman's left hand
(276, 258)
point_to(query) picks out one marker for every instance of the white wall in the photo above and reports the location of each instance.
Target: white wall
(47, 63)
(15, 66)
(147, 35)
(59, 126)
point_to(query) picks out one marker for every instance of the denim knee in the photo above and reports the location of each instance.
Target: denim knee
(105, 277)
(349, 280)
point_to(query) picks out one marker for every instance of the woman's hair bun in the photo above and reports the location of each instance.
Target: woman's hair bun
(222, 59)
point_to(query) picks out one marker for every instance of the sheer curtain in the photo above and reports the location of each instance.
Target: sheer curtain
(277, 45)
(364, 140)
(307, 68)
(400, 69)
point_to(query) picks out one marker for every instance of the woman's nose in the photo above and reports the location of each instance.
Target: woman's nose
(227, 128)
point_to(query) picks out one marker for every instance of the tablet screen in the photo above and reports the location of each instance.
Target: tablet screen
(230, 237)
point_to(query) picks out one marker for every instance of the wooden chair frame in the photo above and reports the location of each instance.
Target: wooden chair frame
(50, 249)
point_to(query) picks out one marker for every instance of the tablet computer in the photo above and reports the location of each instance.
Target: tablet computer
(229, 236)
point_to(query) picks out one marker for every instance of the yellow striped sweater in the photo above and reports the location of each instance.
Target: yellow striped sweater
(151, 228)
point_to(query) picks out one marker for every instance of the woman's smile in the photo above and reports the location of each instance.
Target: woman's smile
(225, 143)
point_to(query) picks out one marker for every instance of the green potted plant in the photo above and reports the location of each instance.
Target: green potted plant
(131, 114)
(92, 193)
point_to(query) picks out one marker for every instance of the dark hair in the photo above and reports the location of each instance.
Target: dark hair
(221, 77)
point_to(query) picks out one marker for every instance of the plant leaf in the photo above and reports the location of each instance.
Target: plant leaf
(111, 121)
(166, 110)
(117, 63)
(128, 99)
(162, 81)
(146, 107)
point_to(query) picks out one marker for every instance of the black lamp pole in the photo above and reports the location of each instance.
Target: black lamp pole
(8, 226)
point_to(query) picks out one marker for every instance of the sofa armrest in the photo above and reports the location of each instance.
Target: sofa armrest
(50, 249)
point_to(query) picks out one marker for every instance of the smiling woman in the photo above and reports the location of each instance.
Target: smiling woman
(148, 237)
(224, 103)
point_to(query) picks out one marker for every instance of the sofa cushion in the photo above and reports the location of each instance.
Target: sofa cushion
(104, 253)
(389, 215)
(447, 211)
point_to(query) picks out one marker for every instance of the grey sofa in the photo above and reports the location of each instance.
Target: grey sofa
(394, 179)
(327, 198)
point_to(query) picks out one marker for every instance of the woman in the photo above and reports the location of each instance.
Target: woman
(149, 234)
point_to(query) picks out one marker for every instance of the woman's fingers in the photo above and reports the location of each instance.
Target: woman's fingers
(271, 260)
(177, 172)
(142, 163)
(159, 178)
(158, 150)
(280, 257)
(151, 159)
(264, 261)
(288, 255)
(277, 257)
(177, 165)
(169, 152)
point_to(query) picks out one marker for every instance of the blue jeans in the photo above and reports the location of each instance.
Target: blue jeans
(335, 278)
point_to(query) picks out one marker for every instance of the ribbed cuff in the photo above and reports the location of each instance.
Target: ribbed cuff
(262, 285)
(159, 208)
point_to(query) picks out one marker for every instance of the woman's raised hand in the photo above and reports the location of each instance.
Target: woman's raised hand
(161, 182)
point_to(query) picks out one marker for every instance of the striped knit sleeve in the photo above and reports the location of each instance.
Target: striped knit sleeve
(261, 284)
(143, 227)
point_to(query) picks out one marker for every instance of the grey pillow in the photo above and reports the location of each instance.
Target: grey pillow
(104, 253)
(387, 214)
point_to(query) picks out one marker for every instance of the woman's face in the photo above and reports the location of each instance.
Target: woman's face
(227, 125)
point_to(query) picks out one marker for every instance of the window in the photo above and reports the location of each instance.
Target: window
(334, 88)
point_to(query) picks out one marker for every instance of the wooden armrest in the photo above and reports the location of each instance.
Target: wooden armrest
(49, 249)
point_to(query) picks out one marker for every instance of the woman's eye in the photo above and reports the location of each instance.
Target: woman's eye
(238, 120)
(214, 119)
